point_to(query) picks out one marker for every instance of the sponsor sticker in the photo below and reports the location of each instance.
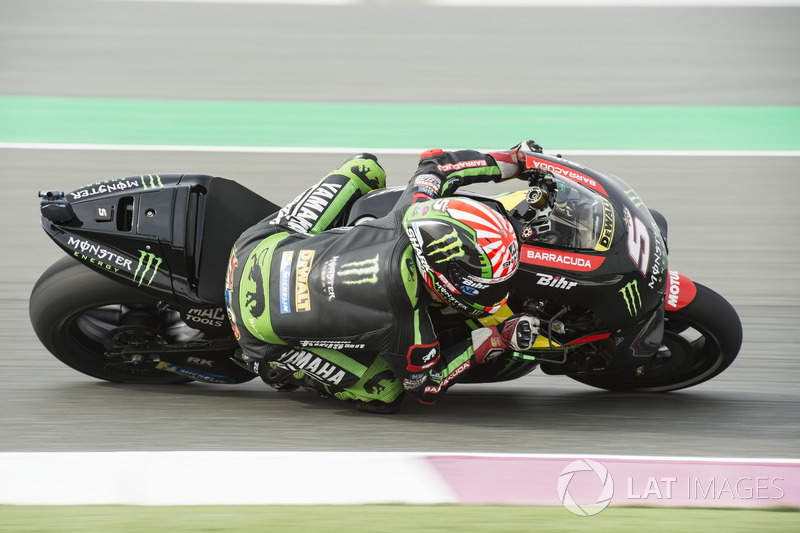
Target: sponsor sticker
(546, 257)
(285, 280)
(557, 282)
(633, 298)
(569, 173)
(99, 256)
(360, 272)
(422, 356)
(316, 367)
(233, 262)
(147, 268)
(207, 317)
(680, 291)
(607, 231)
(449, 167)
(431, 181)
(302, 297)
(192, 373)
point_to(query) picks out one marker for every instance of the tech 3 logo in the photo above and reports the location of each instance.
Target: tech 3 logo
(147, 261)
(374, 385)
(256, 301)
(633, 299)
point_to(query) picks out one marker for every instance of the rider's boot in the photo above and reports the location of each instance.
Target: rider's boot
(378, 407)
(278, 378)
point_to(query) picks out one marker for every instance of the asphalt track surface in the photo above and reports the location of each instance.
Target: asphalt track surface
(733, 221)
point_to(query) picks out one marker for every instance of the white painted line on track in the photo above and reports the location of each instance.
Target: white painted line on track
(504, 3)
(218, 478)
(387, 151)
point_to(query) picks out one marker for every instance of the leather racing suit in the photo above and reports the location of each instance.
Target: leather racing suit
(323, 301)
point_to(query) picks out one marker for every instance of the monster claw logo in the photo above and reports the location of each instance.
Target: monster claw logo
(633, 299)
(449, 246)
(634, 198)
(152, 181)
(359, 272)
(146, 261)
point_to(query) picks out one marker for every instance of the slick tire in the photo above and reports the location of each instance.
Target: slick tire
(700, 342)
(73, 307)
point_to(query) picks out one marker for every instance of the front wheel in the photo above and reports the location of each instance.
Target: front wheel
(79, 315)
(700, 341)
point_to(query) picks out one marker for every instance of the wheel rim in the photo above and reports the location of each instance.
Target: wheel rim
(94, 331)
(687, 356)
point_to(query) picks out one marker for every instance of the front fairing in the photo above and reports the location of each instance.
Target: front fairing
(596, 247)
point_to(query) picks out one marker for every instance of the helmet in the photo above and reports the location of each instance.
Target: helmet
(466, 252)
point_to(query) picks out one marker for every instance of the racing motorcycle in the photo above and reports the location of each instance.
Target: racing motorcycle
(140, 298)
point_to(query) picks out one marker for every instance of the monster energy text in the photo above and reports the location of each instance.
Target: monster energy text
(97, 255)
(659, 259)
(633, 299)
(151, 181)
(147, 261)
(328, 276)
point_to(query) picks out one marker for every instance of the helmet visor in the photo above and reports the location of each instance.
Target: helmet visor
(474, 292)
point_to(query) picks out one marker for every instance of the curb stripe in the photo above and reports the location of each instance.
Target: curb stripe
(352, 478)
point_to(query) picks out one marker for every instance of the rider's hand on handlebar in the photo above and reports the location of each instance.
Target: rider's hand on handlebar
(519, 156)
(512, 163)
(507, 163)
(516, 333)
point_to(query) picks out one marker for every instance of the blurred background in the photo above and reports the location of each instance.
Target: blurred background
(672, 99)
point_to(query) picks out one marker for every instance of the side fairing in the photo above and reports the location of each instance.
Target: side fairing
(168, 235)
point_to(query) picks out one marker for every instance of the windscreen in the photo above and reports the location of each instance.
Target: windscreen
(576, 218)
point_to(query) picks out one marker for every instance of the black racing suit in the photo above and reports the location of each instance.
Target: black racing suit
(325, 301)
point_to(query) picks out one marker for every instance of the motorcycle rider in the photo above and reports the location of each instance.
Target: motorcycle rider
(346, 310)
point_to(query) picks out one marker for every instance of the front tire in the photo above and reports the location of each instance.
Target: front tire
(78, 314)
(700, 342)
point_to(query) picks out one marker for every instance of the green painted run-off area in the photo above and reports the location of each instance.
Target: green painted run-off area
(375, 125)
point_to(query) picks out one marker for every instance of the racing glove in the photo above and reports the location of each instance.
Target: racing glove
(516, 333)
(512, 163)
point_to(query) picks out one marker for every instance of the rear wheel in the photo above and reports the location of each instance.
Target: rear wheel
(79, 315)
(700, 341)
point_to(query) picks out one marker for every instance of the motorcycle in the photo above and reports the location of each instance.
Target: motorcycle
(141, 297)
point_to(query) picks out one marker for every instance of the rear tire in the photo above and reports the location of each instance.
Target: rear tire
(74, 311)
(700, 342)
